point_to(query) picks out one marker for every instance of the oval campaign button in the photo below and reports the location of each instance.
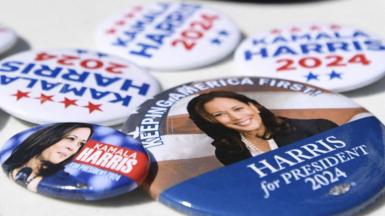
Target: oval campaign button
(331, 56)
(75, 161)
(169, 36)
(264, 146)
(64, 85)
(8, 38)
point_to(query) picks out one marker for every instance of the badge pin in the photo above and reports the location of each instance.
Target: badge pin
(260, 145)
(169, 36)
(75, 161)
(331, 56)
(72, 85)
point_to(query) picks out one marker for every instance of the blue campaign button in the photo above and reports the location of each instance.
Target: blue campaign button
(262, 146)
(75, 161)
(278, 184)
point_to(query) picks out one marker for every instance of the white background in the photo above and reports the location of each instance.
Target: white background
(71, 24)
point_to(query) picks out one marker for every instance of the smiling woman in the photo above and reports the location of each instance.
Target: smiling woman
(241, 127)
(45, 153)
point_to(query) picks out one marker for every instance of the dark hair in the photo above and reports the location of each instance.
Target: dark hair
(35, 144)
(217, 131)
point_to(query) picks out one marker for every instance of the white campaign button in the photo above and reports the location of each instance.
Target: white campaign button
(7, 38)
(331, 56)
(72, 85)
(169, 36)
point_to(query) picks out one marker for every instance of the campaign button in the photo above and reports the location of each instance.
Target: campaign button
(261, 145)
(169, 36)
(64, 85)
(331, 56)
(8, 38)
(75, 161)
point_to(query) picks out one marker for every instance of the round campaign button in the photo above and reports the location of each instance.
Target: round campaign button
(169, 36)
(75, 161)
(331, 56)
(264, 146)
(50, 86)
(7, 38)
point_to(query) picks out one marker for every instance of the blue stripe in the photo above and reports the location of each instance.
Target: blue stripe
(236, 189)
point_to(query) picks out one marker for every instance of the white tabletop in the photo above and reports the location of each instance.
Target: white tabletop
(71, 24)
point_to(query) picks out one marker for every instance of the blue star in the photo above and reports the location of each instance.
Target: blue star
(80, 51)
(101, 55)
(311, 76)
(248, 55)
(224, 33)
(335, 75)
(216, 41)
(256, 41)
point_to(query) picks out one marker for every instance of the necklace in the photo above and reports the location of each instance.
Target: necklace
(254, 150)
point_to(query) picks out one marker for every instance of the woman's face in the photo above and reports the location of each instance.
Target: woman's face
(234, 114)
(67, 146)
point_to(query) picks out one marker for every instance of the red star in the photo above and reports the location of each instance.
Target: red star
(19, 95)
(138, 8)
(335, 27)
(314, 28)
(110, 31)
(92, 107)
(44, 98)
(68, 102)
(129, 15)
(120, 22)
(275, 31)
(295, 29)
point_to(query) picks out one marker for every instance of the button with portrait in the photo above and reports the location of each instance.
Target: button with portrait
(261, 145)
(77, 161)
(169, 35)
(62, 85)
(332, 56)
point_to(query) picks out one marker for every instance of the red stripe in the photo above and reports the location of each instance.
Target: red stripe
(120, 160)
